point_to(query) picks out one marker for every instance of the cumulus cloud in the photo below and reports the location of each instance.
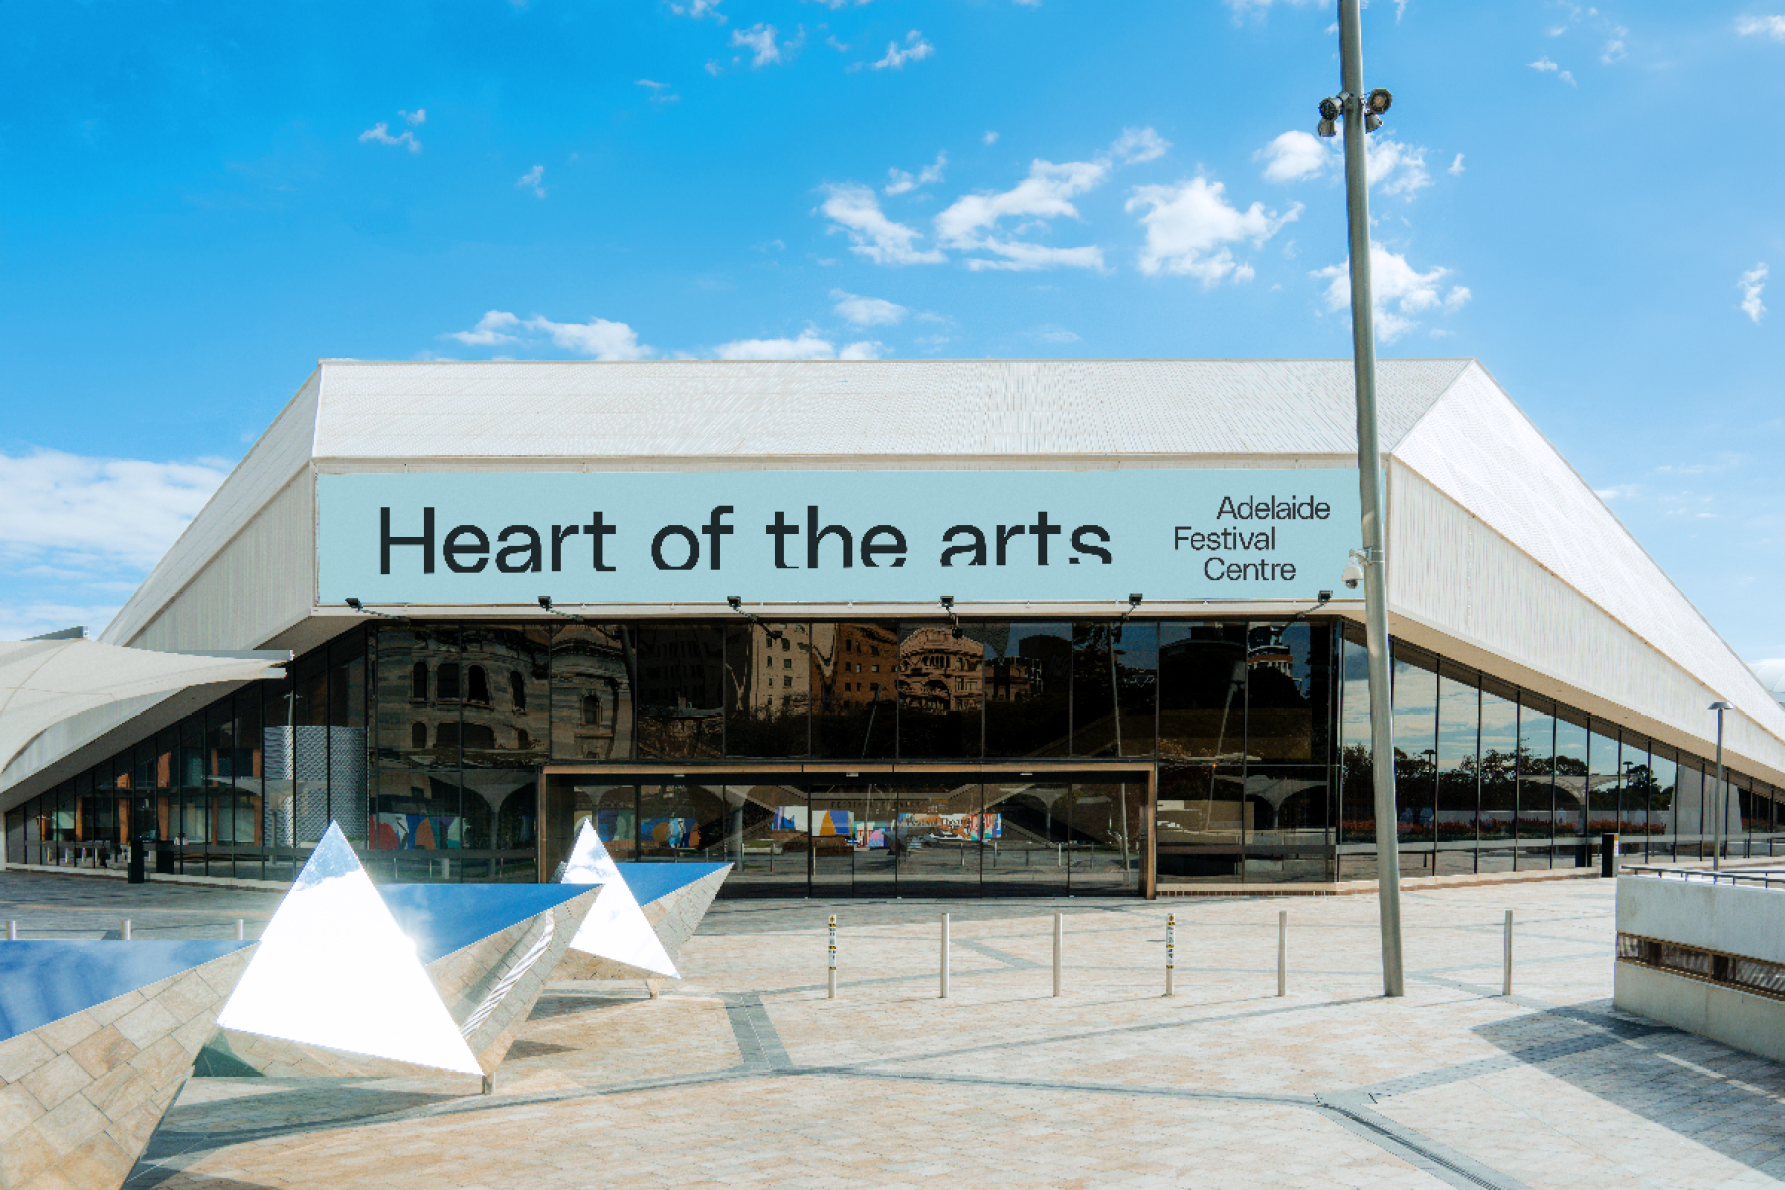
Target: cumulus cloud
(759, 39)
(1456, 167)
(415, 118)
(990, 138)
(855, 210)
(1545, 66)
(1752, 285)
(1395, 168)
(88, 527)
(699, 9)
(597, 338)
(1136, 145)
(867, 311)
(915, 49)
(970, 223)
(808, 345)
(1190, 226)
(1294, 157)
(1401, 292)
(660, 92)
(496, 326)
(532, 180)
(380, 134)
(899, 181)
(1771, 26)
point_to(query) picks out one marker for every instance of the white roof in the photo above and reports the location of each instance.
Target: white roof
(43, 682)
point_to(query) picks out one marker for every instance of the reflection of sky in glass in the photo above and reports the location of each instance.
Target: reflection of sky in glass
(442, 918)
(42, 982)
(1602, 757)
(1458, 720)
(1499, 724)
(1571, 741)
(1416, 705)
(1354, 720)
(1537, 735)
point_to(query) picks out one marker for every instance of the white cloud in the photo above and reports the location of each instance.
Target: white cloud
(855, 210)
(1456, 167)
(78, 518)
(1190, 225)
(379, 134)
(1545, 66)
(1773, 27)
(699, 9)
(493, 328)
(1242, 8)
(900, 181)
(1136, 145)
(1397, 284)
(809, 345)
(916, 49)
(1293, 157)
(1055, 334)
(990, 138)
(835, 5)
(759, 39)
(867, 311)
(415, 118)
(597, 338)
(660, 92)
(1752, 285)
(1396, 168)
(1614, 49)
(531, 180)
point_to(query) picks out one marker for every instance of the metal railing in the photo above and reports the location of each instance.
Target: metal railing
(1752, 877)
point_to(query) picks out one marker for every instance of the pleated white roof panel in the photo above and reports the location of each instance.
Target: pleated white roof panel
(975, 409)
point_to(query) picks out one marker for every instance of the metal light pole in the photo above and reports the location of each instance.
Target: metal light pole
(1722, 795)
(1361, 114)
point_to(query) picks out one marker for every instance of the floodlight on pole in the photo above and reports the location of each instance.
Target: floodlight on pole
(1370, 564)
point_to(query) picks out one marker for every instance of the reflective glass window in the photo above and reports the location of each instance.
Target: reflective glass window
(1200, 823)
(1458, 759)
(1659, 780)
(855, 713)
(1114, 684)
(502, 729)
(941, 670)
(769, 679)
(1415, 736)
(1571, 777)
(1356, 789)
(1499, 760)
(592, 703)
(1690, 821)
(1288, 684)
(679, 677)
(1605, 779)
(1202, 691)
(1536, 778)
(1028, 681)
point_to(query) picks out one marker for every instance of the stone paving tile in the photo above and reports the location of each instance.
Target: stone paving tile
(745, 1075)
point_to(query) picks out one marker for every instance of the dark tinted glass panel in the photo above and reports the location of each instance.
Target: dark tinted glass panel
(1029, 825)
(1105, 853)
(1028, 680)
(941, 694)
(769, 675)
(1571, 776)
(1415, 727)
(591, 694)
(854, 669)
(413, 810)
(1202, 691)
(1604, 779)
(680, 679)
(1658, 789)
(1358, 797)
(1287, 687)
(1459, 771)
(414, 725)
(507, 680)
(1198, 831)
(1114, 684)
(500, 808)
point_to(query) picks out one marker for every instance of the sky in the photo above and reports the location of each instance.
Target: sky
(198, 201)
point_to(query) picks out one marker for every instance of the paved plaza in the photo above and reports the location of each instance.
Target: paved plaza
(746, 1074)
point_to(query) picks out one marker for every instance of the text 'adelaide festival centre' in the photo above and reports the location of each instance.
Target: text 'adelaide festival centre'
(916, 629)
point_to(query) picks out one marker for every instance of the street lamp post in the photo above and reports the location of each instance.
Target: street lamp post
(1363, 113)
(1722, 795)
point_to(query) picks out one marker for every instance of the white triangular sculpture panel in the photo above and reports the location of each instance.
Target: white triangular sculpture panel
(335, 970)
(616, 928)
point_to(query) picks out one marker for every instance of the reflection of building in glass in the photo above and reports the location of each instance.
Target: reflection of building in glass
(857, 663)
(939, 671)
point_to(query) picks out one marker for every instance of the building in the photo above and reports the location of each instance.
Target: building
(509, 588)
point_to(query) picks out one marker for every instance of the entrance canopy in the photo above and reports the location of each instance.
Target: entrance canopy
(43, 682)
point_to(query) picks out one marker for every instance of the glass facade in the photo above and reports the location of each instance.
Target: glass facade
(1214, 750)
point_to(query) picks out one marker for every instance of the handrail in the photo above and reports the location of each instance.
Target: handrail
(1763, 878)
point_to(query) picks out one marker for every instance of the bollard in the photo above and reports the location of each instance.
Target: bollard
(1282, 952)
(945, 956)
(126, 929)
(1059, 947)
(241, 930)
(1506, 965)
(1171, 946)
(12, 931)
(832, 979)
(1608, 855)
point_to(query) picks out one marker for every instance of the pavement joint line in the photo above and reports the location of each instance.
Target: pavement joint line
(1350, 1111)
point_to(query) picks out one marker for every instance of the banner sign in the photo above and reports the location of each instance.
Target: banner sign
(833, 536)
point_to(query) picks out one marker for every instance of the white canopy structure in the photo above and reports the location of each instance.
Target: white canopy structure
(43, 682)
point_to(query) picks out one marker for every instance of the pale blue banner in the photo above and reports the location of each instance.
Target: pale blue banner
(833, 536)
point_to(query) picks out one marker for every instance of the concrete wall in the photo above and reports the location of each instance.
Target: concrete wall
(1733, 920)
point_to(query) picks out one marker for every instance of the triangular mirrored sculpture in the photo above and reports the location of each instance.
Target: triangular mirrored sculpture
(96, 1039)
(338, 980)
(674, 897)
(615, 941)
(489, 950)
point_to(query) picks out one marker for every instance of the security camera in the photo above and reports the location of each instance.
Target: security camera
(1352, 575)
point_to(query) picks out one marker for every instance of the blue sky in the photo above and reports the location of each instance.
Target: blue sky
(202, 199)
